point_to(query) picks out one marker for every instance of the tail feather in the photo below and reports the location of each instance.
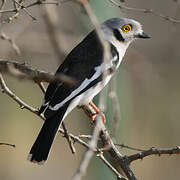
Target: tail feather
(40, 149)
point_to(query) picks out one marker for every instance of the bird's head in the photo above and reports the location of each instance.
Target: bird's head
(122, 31)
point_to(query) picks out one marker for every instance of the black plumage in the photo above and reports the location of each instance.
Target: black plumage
(79, 64)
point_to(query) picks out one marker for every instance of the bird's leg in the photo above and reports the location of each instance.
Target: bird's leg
(98, 111)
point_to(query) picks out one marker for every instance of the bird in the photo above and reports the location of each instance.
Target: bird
(86, 64)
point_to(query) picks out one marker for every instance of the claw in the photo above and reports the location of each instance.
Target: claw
(94, 107)
(93, 117)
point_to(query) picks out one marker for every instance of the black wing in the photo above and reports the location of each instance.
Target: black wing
(79, 64)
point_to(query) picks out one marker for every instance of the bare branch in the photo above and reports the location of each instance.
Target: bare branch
(105, 138)
(101, 156)
(22, 104)
(119, 164)
(76, 139)
(17, 10)
(120, 161)
(24, 71)
(20, 7)
(50, 14)
(41, 86)
(105, 45)
(85, 136)
(24, 9)
(115, 156)
(7, 144)
(39, 2)
(7, 10)
(128, 147)
(2, 4)
(89, 153)
(68, 137)
(3, 36)
(115, 106)
(153, 151)
(146, 11)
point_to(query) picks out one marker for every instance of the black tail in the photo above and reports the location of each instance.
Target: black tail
(40, 149)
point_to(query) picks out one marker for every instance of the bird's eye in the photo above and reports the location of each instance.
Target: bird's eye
(126, 28)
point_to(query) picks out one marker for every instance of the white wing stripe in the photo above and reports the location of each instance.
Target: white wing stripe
(83, 85)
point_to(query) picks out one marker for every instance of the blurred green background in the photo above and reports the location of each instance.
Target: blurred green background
(147, 86)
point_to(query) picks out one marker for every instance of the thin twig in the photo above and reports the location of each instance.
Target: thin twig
(7, 144)
(121, 161)
(17, 10)
(3, 36)
(89, 153)
(24, 71)
(105, 46)
(25, 9)
(107, 56)
(128, 147)
(85, 136)
(119, 176)
(153, 151)
(115, 106)
(2, 4)
(7, 10)
(68, 137)
(41, 86)
(39, 2)
(76, 139)
(115, 156)
(147, 11)
(21, 103)
(20, 7)
(50, 14)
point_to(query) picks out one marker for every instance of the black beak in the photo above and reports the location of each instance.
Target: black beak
(143, 36)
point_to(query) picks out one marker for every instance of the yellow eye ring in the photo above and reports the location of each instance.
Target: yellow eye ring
(126, 28)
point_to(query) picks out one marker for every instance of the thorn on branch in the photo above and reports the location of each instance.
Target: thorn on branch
(153, 151)
(22, 107)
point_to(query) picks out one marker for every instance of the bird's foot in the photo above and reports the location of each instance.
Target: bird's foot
(98, 112)
(93, 117)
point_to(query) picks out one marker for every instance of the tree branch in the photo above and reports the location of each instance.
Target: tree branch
(90, 152)
(146, 11)
(3, 36)
(7, 144)
(69, 139)
(118, 161)
(20, 7)
(24, 71)
(22, 104)
(153, 151)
